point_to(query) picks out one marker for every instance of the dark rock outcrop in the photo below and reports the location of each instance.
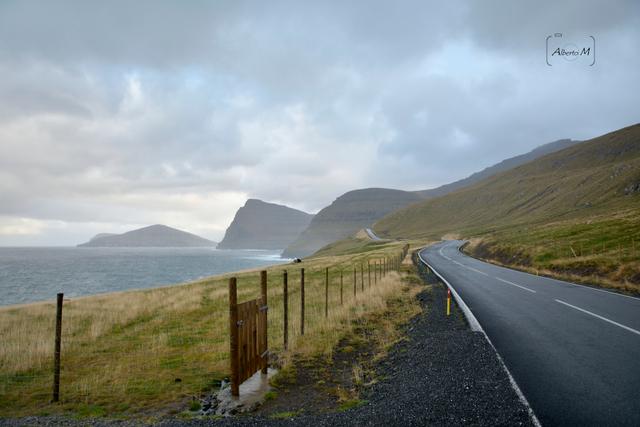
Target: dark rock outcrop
(262, 225)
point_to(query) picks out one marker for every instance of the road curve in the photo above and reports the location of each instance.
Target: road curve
(371, 234)
(573, 350)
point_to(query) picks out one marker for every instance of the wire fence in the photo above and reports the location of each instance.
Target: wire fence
(134, 350)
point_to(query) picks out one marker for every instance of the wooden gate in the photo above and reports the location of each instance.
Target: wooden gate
(248, 327)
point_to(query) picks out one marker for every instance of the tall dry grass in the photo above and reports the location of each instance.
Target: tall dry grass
(138, 351)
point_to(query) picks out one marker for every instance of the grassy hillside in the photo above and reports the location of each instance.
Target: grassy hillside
(149, 352)
(346, 215)
(575, 212)
(503, 166)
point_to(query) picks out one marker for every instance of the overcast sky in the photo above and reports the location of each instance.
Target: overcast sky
(115, 115)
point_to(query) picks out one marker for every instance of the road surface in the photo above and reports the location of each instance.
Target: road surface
(573, 350)
(371, 234)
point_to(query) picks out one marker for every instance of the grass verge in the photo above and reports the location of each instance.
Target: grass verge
(328, 382)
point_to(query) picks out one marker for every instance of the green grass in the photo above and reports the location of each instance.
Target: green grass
(351, 404)
(270, 395)
(90, 411)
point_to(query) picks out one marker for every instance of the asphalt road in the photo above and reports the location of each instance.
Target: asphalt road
(573, 350)
(371, 234)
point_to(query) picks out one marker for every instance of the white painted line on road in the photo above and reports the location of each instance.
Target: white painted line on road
(473, 269)
(444, 256)
(515, 284)
(600, 290)
(600, 317)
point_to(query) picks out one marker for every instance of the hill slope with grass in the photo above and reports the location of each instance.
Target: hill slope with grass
(152, 236)
(262, 225)
(504, 165)
(346, 215)
(575, 211)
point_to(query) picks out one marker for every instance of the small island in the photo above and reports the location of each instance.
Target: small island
(152, 236)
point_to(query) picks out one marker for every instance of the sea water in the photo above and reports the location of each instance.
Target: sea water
(38, 274)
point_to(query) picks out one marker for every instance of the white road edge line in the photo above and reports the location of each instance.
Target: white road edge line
(475, 326)
(515, 284)
(599, 317)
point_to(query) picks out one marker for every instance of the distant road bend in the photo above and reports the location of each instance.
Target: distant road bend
(573, 350)
(371, 234)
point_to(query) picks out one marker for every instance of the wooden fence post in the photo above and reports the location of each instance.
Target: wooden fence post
(57, 350)
(369, 272)
(285, 298)
(355, 291)
(375, 272)
(263, 291)
(326, 292)
(233, 341)
(302, 301)
(341, 283)
(362, 277)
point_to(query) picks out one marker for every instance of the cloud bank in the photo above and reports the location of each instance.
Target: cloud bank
(123, 114)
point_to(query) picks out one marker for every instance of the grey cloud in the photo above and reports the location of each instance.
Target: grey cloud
(136, 112)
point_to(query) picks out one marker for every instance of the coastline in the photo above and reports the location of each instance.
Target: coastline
(115, 293)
